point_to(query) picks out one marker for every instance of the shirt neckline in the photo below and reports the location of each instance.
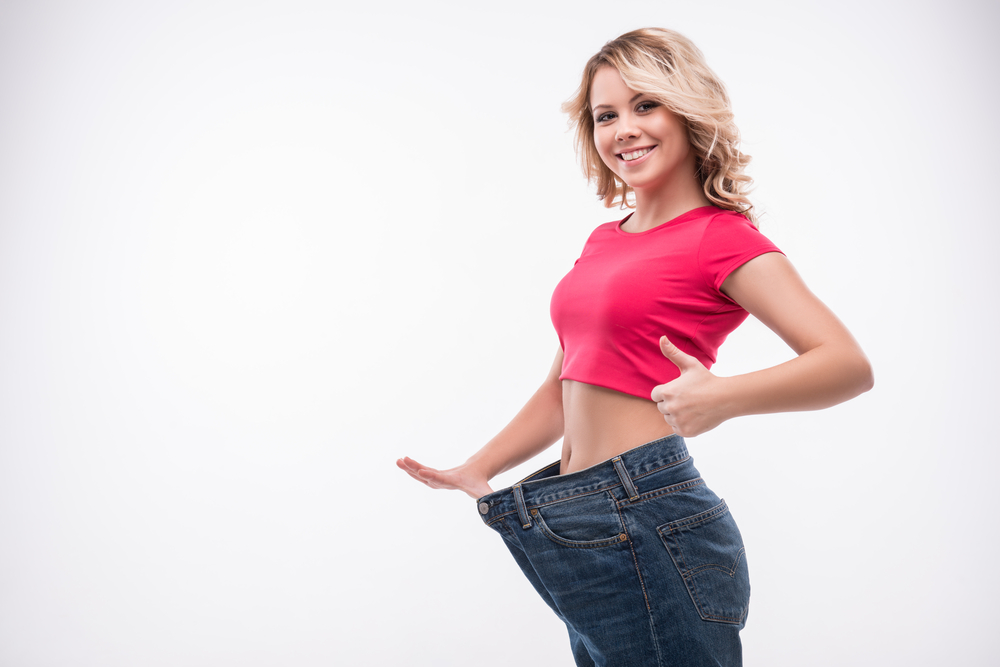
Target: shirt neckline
(669, 223)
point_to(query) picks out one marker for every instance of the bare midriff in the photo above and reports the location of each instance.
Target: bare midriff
(602, 423)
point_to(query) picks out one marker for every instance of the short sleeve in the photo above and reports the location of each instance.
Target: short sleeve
(729, 241)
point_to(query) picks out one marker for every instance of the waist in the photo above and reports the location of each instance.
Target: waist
(645, 468)
(600, 423)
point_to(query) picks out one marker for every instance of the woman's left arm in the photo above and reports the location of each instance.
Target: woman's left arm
(830, 367)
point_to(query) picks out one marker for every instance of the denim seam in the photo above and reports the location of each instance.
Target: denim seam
(663, 467)
(700, 518)
(635, 560)
(664, 491)
(573, 497)
(528, 480)
(648, 495)
(697, 601)
(503, 525)
(498, 517)
(731, 571)
(593, 544)
(642, 586)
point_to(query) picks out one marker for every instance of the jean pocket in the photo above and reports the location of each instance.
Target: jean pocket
(708, 551)
(583, 522)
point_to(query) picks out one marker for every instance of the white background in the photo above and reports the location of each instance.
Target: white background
(253, 252)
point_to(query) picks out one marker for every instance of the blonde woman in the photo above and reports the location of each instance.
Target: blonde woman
(621, 537)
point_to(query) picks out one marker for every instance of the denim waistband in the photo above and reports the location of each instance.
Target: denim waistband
(547, 485)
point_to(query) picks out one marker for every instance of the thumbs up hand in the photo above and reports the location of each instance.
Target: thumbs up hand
(690, 403)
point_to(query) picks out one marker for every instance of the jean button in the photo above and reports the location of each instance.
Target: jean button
(484, 508)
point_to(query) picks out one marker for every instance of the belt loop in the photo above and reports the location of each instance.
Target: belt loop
(630, 489)
(522, 510)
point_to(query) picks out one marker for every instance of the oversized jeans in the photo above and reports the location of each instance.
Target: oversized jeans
(640, 559)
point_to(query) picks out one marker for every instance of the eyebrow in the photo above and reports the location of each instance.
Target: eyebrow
(608, 106)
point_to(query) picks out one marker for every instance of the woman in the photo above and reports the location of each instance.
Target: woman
(621, 537)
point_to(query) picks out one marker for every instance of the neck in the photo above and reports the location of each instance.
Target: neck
(663, 202)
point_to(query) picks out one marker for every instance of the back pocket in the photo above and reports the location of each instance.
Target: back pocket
(708, 551)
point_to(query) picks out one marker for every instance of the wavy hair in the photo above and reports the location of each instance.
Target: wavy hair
(669, 68)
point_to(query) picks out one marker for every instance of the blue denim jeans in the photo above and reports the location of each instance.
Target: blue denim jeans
(640, 559)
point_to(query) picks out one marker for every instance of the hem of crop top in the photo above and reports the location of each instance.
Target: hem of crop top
(628, 392)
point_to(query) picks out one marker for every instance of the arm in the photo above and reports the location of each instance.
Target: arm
(830, 367)
(532, 430)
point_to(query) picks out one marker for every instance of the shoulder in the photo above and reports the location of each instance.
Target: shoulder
(606, 231)
(729, 241)
(723, 219)
(731, 228)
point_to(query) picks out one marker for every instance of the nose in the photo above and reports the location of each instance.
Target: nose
(626, 128)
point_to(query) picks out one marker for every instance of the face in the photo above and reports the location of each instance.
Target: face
(638, 138)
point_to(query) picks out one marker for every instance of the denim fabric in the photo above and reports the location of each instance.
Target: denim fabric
(640, 559)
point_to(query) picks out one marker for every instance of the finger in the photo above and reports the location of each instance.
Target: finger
(409, 465)
(673, 353)
(414, 474)
(662, 399)
(414, 466)
(671, 421)
(419, 472)
(416, 477)
(432, 477)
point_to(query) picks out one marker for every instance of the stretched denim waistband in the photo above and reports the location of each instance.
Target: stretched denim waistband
(547, 485)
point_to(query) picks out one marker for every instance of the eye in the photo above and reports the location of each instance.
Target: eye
(604, 117)
(645, 107)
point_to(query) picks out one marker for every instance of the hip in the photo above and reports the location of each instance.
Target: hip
(641, 534)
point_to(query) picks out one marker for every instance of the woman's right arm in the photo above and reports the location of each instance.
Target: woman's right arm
(531, 431)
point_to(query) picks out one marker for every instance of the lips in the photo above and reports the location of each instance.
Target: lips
(635, 154)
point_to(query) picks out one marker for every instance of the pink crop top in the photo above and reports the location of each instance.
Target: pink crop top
(627, 290)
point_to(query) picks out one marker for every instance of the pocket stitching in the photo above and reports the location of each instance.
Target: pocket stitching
(498, 517)
(606, 542)
(701, 517)
(663, 467)
(581, 544)
(663, 491)
(687, 574)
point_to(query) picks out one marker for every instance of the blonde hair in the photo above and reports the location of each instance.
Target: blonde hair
(669, 68)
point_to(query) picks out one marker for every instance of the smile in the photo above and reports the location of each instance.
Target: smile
(634, 155)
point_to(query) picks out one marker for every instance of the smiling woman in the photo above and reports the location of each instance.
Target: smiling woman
(666, 69)
(621, 537)
(641, 141)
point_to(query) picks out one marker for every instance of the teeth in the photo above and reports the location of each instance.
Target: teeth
(635, 154)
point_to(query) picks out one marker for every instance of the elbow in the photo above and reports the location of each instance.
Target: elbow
(863, 374)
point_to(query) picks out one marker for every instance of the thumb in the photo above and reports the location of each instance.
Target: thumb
(673, 353)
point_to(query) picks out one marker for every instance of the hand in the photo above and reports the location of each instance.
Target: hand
(690, 404)
(462, 478)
